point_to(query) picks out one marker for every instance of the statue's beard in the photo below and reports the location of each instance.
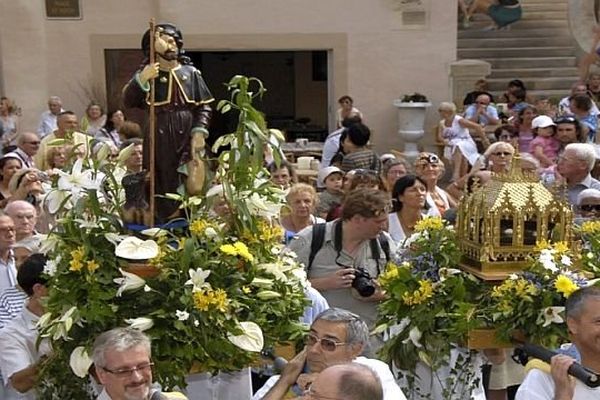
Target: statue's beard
(169, 55)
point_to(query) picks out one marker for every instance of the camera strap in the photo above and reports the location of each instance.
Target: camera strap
(318, 238)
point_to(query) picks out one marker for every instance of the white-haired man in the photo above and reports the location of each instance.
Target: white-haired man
(24, 215)
(48, 117)
(124, 367)
(574, 165)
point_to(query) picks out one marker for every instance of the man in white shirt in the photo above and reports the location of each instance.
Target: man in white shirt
(336, 337)
(332, 143)
(578, 88)
(28, 144)
(482, 112)
(583, 314)
(48, 117)
(8, 270)
(20, 355)
(575, 165)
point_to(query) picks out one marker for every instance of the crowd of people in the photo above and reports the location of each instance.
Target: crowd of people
(343, 229)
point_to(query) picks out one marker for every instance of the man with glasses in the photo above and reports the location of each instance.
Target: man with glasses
(28, 144)
(337, 337)
(574, 165)
(352, 253)
(482, 112)
(24, 216)
(20, 352)
(123, 366)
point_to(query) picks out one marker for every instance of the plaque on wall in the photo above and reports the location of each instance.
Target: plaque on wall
(413, 14)
(63, 9)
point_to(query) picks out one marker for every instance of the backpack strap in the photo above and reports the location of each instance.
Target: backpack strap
(318, 237)
(382, 241)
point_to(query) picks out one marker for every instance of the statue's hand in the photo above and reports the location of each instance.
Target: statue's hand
(198, 143)
(150, 71)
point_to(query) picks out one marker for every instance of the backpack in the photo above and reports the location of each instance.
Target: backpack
(318, 237)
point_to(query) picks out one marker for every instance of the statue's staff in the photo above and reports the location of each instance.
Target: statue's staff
(152, 130)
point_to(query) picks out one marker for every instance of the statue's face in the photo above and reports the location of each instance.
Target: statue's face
(166, 46)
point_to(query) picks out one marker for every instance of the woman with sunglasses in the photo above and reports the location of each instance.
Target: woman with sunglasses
(430, 169)
(408, 196)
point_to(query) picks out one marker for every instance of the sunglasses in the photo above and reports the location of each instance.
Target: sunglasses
(502, 153)
(590, 207)
(562, 120)
(430, 158)
(326, 344)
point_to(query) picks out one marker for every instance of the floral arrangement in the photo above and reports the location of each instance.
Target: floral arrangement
(415, 98)
(211, 296)
(429, 307)
(590, 234)
(538, 295)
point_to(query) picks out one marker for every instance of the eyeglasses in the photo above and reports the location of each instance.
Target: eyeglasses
(483, 103)
(590, 207)
(310, 392)
(563, 120)
(502, 153)
(429, 158)
(127, 372)
(326, 344)
(34, 143)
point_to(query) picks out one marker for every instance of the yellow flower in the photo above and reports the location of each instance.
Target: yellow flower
(541, 245)
(198, 227)
(207, 298)
(429, 224)
(228, 249)
(246, 289)
(590, 227)
(92, 266)
(561, 248)
(242, 250)
(390, 273)
(201, 300)
(220, 300)
(565, 285)
(76, 259)
(419, 296)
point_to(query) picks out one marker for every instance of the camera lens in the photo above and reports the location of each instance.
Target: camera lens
(362, 283)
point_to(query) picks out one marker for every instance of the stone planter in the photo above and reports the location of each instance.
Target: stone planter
(411, 121)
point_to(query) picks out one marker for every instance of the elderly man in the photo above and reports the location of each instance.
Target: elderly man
(20, 352)
(24, 215)
(28, 144)
(574, 165)
(48, 117)
(336, 337)
(482, 112)
(554, 383)
(347, 381)
(123, 366)
(67, 125)
(134, 162)
(344, 258)
(8, 270)
(578, 88)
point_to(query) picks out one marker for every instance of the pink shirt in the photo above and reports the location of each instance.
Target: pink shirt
(550, 146)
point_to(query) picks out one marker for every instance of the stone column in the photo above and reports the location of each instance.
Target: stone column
(463, 75)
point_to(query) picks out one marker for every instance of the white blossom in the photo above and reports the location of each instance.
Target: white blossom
(140, 323)
(251, 338)
(133, 248)
(80, 361)
(551, 315)
(414, 335)
(182, 315)
(128, 282)
(198, 279)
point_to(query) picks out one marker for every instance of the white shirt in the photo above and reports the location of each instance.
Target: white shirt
(331, 147)
(47, 124)
(18, 351)
(539, 385)
(8, 273)
(391, 390)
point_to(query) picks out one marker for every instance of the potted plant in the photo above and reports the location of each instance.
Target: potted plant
(411, 119)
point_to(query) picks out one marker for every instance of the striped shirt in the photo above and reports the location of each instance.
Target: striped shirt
(12, 301)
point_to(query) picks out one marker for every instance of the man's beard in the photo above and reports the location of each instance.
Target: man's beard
(169, 55)
(144, 396)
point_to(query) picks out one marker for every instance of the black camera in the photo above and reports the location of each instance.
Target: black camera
(363, 283)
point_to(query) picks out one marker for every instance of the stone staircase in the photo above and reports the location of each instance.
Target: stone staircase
(538, 49)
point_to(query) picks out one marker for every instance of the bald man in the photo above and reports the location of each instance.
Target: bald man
(346, 381)
(24, 216)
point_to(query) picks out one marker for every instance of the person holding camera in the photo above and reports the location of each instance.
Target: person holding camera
(344, 257)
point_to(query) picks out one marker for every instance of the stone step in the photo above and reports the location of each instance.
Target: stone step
(527, 7)
(543, 16)
(498, 52)
(514, 33)
(551, 83)
(553, 94)
(513, 73)
(523, 24)
(539, 62)
(515, 42)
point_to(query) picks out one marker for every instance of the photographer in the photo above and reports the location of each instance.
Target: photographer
(349, 255)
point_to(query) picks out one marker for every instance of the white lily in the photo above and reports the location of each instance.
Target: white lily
(79, 179)
(133, 248)
(113, 238)
(251, 339)
(140, 323)
(155, 232)
(551, 315)
(216, 190)
(262, 207)
(182, 315)
(57, 198)
(445, 273)
(274, 269)
(51, 266)
(198, 279)
(125, 154)
(128, 282)
(547, 260)
(414, 335)
(80, 361)
(566, 260)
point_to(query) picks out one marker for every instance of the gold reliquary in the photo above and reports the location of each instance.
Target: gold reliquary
(500, 222)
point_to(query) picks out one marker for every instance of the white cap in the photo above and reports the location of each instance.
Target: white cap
(588, 194)
(387, 156)
(543, 121)
(325, 172)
